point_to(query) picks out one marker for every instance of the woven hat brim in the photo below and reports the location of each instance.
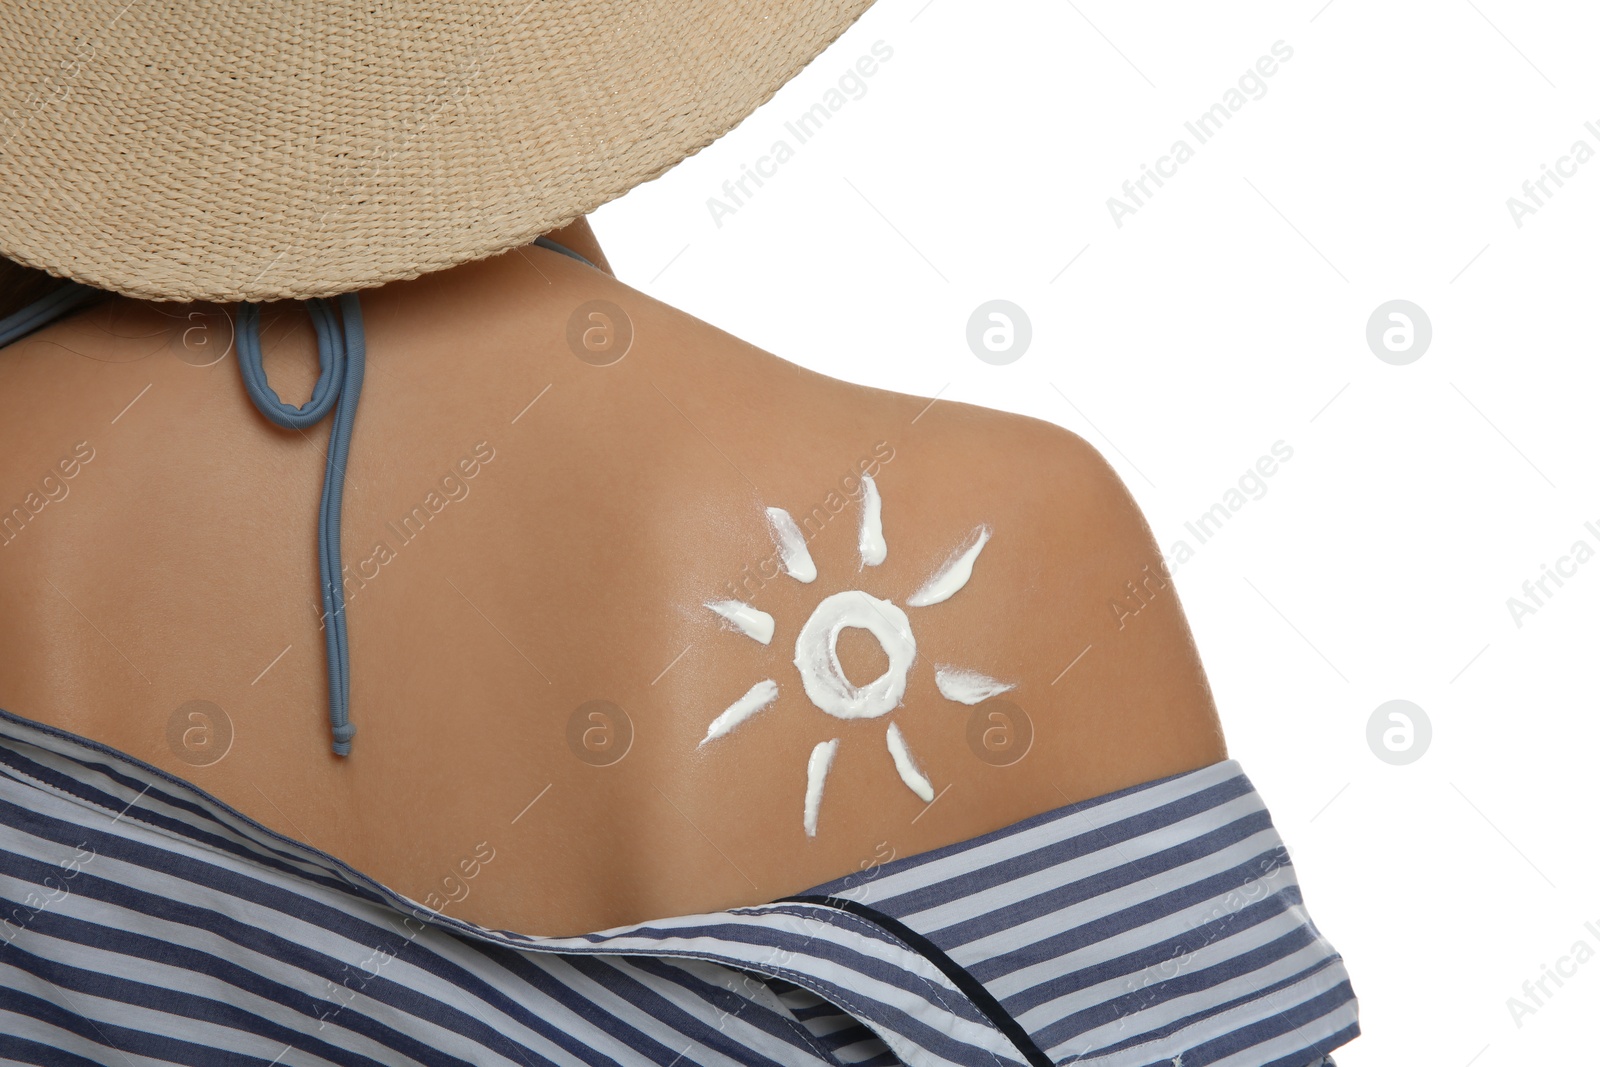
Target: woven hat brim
(281, 149)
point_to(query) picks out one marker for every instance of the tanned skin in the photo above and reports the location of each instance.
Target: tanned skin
(604, 506)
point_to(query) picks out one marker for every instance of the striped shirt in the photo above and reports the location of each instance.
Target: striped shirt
(145, 922)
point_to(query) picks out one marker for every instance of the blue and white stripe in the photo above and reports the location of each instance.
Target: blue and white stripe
(145, 922)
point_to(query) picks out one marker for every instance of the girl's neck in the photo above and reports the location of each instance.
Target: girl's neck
(577, 236)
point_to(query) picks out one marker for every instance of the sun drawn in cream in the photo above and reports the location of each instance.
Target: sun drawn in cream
(816, 649)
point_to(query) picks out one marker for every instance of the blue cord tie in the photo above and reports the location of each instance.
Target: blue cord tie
(55, 304)
(342, 354)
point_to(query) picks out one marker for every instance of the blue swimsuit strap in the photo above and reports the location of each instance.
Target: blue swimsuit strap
(341, 352)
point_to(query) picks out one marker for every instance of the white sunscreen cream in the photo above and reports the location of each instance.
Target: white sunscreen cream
(816, 655)
(752, 622)
(817, 773)
(873, 549)
(816, 648)
(791, 544)
(948, 579)
(909, 773)
(760, 695)
(967, 687)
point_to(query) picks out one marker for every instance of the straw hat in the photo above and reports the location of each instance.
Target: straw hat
(273, 149)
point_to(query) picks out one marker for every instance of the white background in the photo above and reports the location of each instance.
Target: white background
(1230, 312)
